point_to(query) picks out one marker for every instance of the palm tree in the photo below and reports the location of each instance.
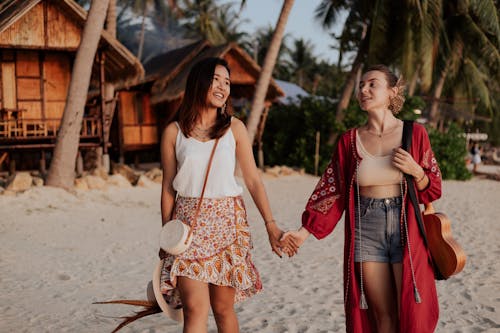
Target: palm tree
(356, 28)
(142, 7)
(201, 20)
(301, 61)
(259, 47)
(267, 70)
(228, 23)
(469, 55)
(61, 172)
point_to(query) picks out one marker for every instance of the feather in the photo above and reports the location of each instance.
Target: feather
(150, 307)
(129, 302)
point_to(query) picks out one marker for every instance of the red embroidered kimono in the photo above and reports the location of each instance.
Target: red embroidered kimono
(335, 193)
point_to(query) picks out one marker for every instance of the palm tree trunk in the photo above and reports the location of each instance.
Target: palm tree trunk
(434, 112)
(109, 90)
(348, 89)
(111, 18)
(267, 70)
(413, 83)
(141, 36)
(62, 168)
(345, 97)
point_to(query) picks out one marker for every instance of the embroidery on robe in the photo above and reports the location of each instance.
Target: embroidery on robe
(429, 162)
(324, 195)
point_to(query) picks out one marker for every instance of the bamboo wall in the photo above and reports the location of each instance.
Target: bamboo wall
(34, 88)
(138, 120)
(44, 26)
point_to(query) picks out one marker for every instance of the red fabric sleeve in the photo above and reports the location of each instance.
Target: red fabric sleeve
(326, 204)
(425, 158)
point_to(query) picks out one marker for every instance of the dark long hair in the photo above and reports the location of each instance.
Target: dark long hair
(198, 83)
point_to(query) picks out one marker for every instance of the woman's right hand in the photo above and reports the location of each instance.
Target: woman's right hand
(297, 237)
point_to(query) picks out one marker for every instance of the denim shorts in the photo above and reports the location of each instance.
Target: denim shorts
(380, 230)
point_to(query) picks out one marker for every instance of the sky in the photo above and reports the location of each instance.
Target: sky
(301, 23)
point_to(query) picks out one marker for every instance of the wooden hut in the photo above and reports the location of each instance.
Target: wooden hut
(147, 107)
(38, 44)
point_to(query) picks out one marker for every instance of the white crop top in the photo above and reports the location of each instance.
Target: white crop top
(192, 161)
(376, 170)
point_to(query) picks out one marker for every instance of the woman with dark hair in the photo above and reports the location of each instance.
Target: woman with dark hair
(388, 277)
(216, 271)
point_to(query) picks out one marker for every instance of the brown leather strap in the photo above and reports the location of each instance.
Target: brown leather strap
(202, 191)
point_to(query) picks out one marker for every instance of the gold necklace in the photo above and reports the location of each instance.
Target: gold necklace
(381, 134)
(201, 129)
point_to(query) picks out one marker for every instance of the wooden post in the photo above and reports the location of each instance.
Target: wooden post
(102, 79)
(104, 162)
(260, 133)
(121, 149)
(137, 161)
(43, 163)
(316, 154)
(12, 166)
(79, 163)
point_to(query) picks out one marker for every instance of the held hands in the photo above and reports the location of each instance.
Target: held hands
(294, 237)
(277, 243)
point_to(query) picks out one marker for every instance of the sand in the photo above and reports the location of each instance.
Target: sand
(59, 252)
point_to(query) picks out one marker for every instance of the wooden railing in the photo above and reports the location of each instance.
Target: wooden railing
(47, 128)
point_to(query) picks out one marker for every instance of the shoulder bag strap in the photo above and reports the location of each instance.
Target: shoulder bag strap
(203, 189)
(407, 135)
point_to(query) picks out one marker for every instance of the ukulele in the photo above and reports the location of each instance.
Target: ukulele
(447, 254)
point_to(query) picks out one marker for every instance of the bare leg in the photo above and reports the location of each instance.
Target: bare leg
(397, 272)
(381, 296)
(195, 304)
(222, 301)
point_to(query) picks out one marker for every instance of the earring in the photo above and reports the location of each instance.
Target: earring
(396, 103)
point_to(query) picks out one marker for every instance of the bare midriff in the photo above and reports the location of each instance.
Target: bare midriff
(380, 191)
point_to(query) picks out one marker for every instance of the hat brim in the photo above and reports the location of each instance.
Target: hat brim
(175, 314)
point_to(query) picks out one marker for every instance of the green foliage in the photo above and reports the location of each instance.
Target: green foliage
(450, 150)
(290, 135)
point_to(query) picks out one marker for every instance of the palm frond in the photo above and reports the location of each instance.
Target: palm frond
(485, 13)
(477, 81)
(328, 11)
(480, 42)
(378, 43)
(150, 308)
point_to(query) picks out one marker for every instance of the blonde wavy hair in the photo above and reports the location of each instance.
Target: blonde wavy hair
(396, 102)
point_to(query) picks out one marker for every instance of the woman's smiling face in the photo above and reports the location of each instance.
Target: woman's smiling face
(220, 88)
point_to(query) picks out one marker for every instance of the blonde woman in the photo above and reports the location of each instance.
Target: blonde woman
(388, 278)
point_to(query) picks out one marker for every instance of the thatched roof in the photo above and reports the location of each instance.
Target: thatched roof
(162, 66)
(120, 63)
(171, 69)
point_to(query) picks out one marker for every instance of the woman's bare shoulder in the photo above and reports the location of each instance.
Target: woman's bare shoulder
(238, 127)
(170, 132)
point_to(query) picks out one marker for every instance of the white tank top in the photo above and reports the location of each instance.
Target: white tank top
(192, 161)
(376, 170)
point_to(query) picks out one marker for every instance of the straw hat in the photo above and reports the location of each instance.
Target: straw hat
(156, 295)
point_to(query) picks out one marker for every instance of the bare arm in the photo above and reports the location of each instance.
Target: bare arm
(169, 166)
(254, 183)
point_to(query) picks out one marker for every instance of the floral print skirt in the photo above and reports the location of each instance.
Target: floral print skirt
(219, 253)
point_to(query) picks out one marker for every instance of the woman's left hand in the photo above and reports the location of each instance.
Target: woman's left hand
(278, 246)
(403, 160)
(274, 233)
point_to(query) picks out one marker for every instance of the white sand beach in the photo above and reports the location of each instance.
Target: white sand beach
(59, 252)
